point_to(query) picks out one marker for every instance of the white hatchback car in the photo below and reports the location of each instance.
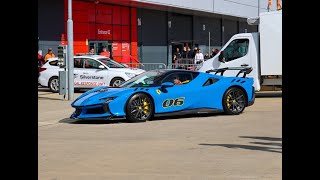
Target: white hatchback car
(89, 71)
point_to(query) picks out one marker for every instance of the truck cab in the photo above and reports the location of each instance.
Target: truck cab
(240, 51)
(260, 50)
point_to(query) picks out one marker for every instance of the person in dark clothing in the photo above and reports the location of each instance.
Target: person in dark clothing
(189, 53)
(177, 53)
(184, 52)
(214, 52)
(195, 49)
(206, 56)
(40, 58)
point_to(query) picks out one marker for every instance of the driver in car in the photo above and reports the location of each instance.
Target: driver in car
(177, 81)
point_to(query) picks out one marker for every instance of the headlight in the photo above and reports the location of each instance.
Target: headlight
(108, 99)
(130, 75)
(105, 105)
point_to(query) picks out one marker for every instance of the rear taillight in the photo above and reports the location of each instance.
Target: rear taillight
(42, 69)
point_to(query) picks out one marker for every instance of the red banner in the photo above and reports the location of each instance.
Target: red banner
(125, 49)
(116, 49)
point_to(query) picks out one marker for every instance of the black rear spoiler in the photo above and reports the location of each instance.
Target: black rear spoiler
(244, 70)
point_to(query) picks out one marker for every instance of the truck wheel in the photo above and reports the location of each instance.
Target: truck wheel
(139, 108)
(116, 81)
(54, 84)
(234, 101)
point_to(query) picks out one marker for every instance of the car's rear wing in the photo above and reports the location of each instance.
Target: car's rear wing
(244, 70)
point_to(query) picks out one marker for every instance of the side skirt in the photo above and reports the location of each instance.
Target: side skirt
(189, 111)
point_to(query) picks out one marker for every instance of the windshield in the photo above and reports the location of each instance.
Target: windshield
(146, 79)
(111, 63)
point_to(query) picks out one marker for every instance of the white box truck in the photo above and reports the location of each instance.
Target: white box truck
(260, 50)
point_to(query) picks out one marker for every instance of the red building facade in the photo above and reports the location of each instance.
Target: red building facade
(100, 25)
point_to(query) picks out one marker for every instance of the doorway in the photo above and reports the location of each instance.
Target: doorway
(98, 45)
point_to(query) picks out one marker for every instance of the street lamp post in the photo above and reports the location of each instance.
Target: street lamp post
(70, 52)
(258, 12)
(258, 8)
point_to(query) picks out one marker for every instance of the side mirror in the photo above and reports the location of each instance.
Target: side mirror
(221, 57)
(101, 67)
(167, 84)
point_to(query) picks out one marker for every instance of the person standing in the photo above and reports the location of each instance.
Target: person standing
(49, 55)
(40, 58)
(177, 53)
(198, 57)
(176, 56)
(206, 56)
(214, 52)
(184, 52)
(194, 52)
(91, 51)
(105, 52)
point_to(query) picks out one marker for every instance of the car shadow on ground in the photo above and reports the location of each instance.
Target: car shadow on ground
(187, 116)
(49, 98)
(44, 89)
(93, 121)
(266, 94)
(274, 147)
(262, 138)
(48, 92)
(123, 120)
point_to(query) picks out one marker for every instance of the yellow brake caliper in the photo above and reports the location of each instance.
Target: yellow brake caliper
(145, 107)
(228, 100)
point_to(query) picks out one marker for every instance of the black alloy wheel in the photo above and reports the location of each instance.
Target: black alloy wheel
(139, 108)
(234, 101)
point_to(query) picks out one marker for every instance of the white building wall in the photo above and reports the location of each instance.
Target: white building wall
(237, 8)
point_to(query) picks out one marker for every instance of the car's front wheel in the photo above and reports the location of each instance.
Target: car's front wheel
(139, 108)
(234, 101)
(54, 84)
(116, 81)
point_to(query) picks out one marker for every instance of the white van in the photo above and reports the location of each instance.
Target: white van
(262, 51)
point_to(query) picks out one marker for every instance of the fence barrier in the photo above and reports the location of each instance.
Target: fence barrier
(146, 66)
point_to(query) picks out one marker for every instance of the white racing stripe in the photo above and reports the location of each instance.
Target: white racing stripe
(78, 102)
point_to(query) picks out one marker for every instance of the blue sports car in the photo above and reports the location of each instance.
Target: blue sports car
(168, 92)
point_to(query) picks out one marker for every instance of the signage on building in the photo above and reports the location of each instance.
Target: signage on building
(116, 50)
(125, 48)
(103, 32)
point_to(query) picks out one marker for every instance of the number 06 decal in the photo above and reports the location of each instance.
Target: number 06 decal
(173, 102)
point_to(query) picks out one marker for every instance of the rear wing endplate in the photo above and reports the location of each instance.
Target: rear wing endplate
(244, 70)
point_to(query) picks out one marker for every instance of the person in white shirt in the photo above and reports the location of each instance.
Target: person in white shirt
(198, 57)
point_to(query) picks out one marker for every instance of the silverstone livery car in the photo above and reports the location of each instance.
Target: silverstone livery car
(89, 71)
(165, 92)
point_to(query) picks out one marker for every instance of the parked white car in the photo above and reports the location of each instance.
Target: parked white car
(89, 71)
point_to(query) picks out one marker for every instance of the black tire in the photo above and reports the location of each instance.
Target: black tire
(54, 84)
(139, 108)
(234, 101)
(115, 81)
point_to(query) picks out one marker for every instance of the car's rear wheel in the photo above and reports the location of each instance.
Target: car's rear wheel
(116, 81)
(54, 84)
(139, 108)
(234, 101)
